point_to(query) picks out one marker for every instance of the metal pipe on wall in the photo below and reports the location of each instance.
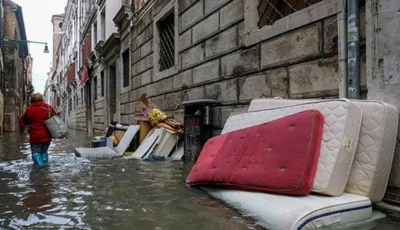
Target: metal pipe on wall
(353, 25)
(342, 54)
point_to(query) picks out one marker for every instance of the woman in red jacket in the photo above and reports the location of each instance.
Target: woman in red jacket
(40, 138)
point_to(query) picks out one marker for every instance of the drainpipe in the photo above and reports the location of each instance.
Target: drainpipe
(353, 24)
(342, 52)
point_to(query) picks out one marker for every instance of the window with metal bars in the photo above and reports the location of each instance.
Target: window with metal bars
(125, 67)
(271, 11)
(166, 27)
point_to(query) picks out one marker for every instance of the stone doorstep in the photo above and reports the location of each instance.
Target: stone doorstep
(390, 210)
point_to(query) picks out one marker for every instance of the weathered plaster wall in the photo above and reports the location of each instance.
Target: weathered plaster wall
(383, 61)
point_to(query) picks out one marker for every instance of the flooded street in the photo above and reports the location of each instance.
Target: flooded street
(104, 194)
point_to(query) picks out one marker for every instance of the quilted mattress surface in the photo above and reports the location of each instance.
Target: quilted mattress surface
(95, 153)
(369, 173)
(280, 156)
(339, 140)
(280, 212)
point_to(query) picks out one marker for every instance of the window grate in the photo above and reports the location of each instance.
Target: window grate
(271, 11)
(166, 29)
(125, 57)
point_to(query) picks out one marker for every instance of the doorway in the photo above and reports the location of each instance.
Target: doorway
(112, 96)
(88, 98)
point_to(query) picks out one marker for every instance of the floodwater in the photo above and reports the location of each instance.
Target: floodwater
(101, 194)
(75, 193)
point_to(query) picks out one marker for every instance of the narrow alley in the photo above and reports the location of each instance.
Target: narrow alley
(200, 114)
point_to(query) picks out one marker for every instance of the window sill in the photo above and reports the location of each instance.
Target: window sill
(164, 74)
(253, 34)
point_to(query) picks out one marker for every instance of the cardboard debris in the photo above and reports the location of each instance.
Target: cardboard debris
(127, 139)
(147, 146)
(147, 111)
(119, 134)
(163, 139)
(178, 152)
(156, 133)
(167, 143)
(143, 108)
(145, 128)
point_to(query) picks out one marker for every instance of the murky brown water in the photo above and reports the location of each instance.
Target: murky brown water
(104, 194)
(101, 194)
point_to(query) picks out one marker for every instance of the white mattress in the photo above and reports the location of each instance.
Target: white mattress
(95, 153)
(339, 139)
(277, 212)
(370, 170)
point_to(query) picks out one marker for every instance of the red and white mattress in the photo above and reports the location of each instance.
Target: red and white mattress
(279, 156)
(339, 140)
(369, 173)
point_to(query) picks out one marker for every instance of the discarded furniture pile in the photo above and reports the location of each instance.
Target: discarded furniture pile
(155, 137)
(302, 164)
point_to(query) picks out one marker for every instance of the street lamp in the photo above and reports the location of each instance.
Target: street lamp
(46, 48)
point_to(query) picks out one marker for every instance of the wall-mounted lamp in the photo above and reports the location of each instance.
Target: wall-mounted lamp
(46, 48)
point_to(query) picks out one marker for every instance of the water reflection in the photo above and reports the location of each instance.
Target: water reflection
(40, 198)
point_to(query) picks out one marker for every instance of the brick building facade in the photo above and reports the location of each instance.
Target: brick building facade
(16, 65)
(53, 85)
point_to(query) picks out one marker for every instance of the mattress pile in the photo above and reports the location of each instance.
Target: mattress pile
(370, 168)
(354, 159)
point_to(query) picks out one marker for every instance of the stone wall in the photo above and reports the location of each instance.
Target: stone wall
(383, 74)
(76, 119)
(215, 63)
